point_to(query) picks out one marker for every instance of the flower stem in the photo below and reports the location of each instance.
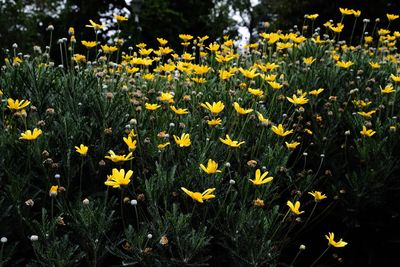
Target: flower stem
(320, 256)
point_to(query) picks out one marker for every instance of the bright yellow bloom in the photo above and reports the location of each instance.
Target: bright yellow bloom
(120, 18)
(53, 190)
(261, 179)
(318, 196)
(241, 110)
(281, 131)
(89, 44)
(166, 97)
(164, 145)
(213, 47)
(183, 141)
(228, 141)
(95, 26)
(388, 89)
(332, 242)
(344, 64)
(200, 197)
(392, 16)
(130, 143)
(215, 108)
(162, 41)
(214, 122)
(312, 16)
(79, 58)
(255, 92)
(339, 27)
(225, 74)
(308, 60)
(275, 85)
(301, 100)
(149, 106)
(109, 49)
(82, 149)
(366, 132)
(374, 65)
(261, 118)
(367, 114)
(292, 145)
(118, 178)
(395, 78)
(251, 74)
(179, 111)
(212, 167)
(16, 104)
(294, 208)
(118, 158)
(317, 91)
(346, 11)
(186, 37)
(30, 136)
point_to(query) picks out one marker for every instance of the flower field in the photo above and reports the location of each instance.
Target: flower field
(283, 152)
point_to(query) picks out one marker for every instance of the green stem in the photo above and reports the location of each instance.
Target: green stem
(320, 256)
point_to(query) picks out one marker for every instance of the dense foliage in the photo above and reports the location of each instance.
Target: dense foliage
(202, 155)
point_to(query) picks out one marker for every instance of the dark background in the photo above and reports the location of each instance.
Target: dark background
(25, 21)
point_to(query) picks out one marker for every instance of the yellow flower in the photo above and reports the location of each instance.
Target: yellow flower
(301, 100)
(186, 37)
(292, 145)
(281, 131)
(118, 158)
(261, 179)
(318, 196)
(214, 122)
(225, 74)
(166, 97)
(387, 90)
(120, 18)
(82, 149)
(255, 92)
(16, 104)
(30, 136)
(213, 47)
(162, 41)
(109, 49)
(53, 190)
(317, 91)
(164, 145)
(95, 26)
(312, 16)
(395, 78)
(294, 208)
(344, 64)
(251, 74)
(346, 11)
(228, 141)
(308, 60)
(261, 118)
(79, 58)
(374, 65)
(118, 178)
(308, 131)
(130, 143)
(259, 202)
(183, 141)
(332, 242)
(200, 197)
(132, 133)
(367, 114)
(149, 106)
(89, 44)
(366, 132)
(179, 111)
(275, 85)
(241, 110)
(212, 167)
(339, 27)
(215, 108)
(392, 17)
